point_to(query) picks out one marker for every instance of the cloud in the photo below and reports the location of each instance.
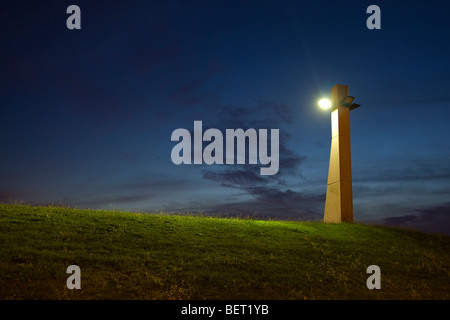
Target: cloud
(414, 170)
(276, 195)
(140, 191)
(245, 177)
(432, 219)
(273, 203)
(261, 115)
(435, 213)
(235, 177)
(263, 195)
(400, 221)
(103, 199)
(267, 196)
(290, 161)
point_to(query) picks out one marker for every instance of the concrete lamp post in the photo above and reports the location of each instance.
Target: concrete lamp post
(339, 199)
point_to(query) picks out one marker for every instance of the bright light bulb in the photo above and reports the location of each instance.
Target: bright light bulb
(325, 104)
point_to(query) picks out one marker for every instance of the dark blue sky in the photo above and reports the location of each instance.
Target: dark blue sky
(87, 115)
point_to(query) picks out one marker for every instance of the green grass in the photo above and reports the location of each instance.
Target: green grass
(156, 256)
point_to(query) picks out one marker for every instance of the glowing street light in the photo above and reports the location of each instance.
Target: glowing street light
(325, 104)
(339, 199)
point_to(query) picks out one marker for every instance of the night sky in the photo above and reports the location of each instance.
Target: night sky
(87, 115)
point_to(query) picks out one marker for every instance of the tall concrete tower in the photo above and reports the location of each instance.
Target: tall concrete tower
(339, 199)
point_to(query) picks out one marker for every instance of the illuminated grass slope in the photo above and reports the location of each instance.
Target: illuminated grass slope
(151, 256)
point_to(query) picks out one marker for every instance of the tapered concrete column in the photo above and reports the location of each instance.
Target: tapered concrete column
(339, 200)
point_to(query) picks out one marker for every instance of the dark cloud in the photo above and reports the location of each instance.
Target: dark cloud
(397, 174)
(433, 219)
(290, 161)
(412, 171)
(276, 195)
(116, 199)
(261, 115)
(235, 177)
(269, 195)
(245, 177)
(142, 189)
(400, 221)
(435, 213)
(274, 204)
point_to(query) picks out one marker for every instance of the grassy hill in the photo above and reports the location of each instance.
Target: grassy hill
(156, 256)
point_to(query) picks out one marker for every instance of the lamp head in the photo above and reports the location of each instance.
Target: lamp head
(324, 104)
(347, 101)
